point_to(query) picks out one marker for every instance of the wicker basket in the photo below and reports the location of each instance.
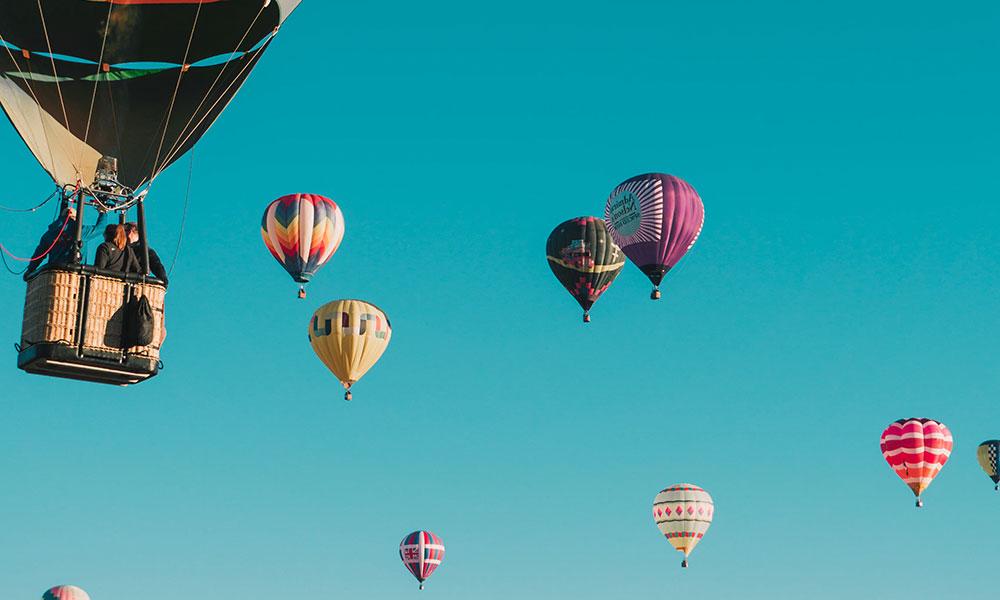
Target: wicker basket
(56, 299)
(51, 308)
(157, 295)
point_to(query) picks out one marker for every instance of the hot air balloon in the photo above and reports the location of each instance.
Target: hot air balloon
(916, 449)
(139, 81)
(302, 231)
(584, 258)
(683, 512)
(989, 459)
(106, 95)
(349, 336)
(65, 592)
(421, 553)
(655, 219)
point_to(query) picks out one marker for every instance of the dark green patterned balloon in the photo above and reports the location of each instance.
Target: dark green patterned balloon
(584, 259)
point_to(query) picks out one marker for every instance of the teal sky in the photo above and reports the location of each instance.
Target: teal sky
(846, 277)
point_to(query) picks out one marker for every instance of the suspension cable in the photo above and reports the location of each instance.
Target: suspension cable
(180, 234)
(55, 74)
(97, 81)
(173, 148)
(214, 104)
(43, 254)
(114, 120)
(34, 96)
(6, 265)
(32, 209)
(105, 208)
(177, 86)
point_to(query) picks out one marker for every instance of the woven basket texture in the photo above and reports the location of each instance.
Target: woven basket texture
(51, 308)
(51, 311)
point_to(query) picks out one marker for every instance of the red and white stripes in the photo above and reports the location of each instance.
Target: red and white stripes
(916, 449)
(421, 553)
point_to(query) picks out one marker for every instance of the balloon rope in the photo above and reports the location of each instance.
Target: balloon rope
(97, 80)
(181, 142)
(7, 266)
(173, 148)
(177, 86)
(27, 82)
(114, 117)
(32, 209)
(55, 75)
(104, 208)
(180, 234)
(43, 254)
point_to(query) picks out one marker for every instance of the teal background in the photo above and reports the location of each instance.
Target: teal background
(846, 277)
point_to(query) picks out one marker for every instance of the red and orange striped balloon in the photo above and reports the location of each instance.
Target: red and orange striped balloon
(916, 449)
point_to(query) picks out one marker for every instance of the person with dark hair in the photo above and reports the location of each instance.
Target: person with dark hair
(115, 254)
(155, 265)
(59, 241)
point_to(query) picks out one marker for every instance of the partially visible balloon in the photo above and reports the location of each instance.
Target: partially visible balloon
(421, 553)
(683, 512)
(655, 219)
(584, 259)
(349, 336)
(168, 68)
(65, 592)
(916, 449)
(989, 459)
(302, 231)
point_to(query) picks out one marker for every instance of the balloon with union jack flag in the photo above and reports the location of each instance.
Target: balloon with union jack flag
(421, 553)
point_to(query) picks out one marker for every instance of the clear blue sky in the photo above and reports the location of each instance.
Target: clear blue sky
(846, 277)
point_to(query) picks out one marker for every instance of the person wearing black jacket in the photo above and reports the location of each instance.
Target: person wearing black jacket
(115, 254)
(155, 266)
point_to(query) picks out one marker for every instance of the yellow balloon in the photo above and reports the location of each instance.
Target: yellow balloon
(349, 336)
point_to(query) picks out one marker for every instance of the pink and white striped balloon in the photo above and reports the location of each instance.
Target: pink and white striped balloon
(916, 449)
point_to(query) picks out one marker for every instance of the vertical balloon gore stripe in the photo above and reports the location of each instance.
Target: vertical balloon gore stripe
(304, 232)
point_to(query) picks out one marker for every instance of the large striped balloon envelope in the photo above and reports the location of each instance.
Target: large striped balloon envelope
(988, 454)
(916, 449)
(302, 231)
(421, 553)
(683, 512)
(65, 592)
